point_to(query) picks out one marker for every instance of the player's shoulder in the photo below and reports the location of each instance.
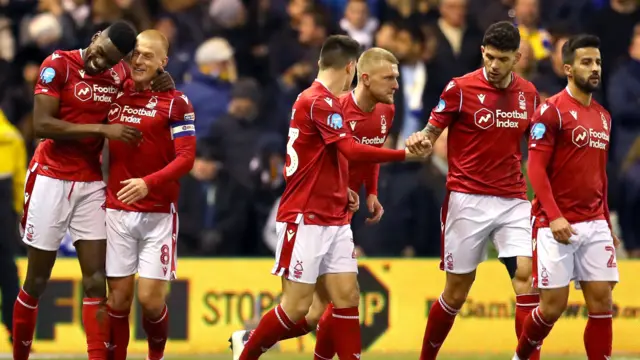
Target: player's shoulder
(598, 107)
(318, 97)
(524, 84)
(181, 105)
(468, 79)
(386, 108)
(346, 99)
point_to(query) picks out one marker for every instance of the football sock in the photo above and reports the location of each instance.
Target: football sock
(439, 323)
(598, 336)
(157, 333)
(119, 323)
(25, 313)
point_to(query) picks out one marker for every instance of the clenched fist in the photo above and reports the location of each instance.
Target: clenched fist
(419, 144)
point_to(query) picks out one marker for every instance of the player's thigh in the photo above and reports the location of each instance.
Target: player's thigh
(300, 250)
(553, 265)
(467, 222)
(342, 288)
(595, 258)
(47, 212)
(512, 237)
(158, 247)
(122, 246)
(88, 217)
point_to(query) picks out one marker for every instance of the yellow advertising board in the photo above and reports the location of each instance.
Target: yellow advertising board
(212, 298)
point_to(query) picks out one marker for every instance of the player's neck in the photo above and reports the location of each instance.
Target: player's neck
(332, 81)
(575, 92)
(365, 102)
(143, 85)
(505, 82)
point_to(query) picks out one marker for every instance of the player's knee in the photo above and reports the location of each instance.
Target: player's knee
(120, 299)
(95, 284)
(348, 296)
(511, 264)
(152, 301)
(553, 305)
(35, 285)
(598, 298)
(457, 289)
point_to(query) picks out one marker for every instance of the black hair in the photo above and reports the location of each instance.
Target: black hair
(337, 51)
(503, 36)
(414, 31)
(578, 42)
(123, 36)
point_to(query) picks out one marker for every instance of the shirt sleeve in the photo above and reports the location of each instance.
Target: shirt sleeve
(328, 120)
(182, 125)
(448, 107)
(545, 126)
(53, 76)
(371, 181)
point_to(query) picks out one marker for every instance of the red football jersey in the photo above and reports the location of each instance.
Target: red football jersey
(578, 138)
(486, 127)
(316, 172)
(84, 99)
(163, 118)
(368, 128)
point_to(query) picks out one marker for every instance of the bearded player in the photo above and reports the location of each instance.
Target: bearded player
(142, 195)
(64, 188)
(369, 111)
(572, 235)
(487, 112)
(315, 244)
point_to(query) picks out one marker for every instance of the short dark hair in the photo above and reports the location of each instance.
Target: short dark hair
(503, 36)
(123, 36)
(578, 42)
(337, 51)
(414, 31)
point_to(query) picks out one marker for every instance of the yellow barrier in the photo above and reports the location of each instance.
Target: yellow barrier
(212, 298)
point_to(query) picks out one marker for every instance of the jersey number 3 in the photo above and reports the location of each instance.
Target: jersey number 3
(293, 155)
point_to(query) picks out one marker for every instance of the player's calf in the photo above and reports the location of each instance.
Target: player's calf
(539, 323)
(119, 305)
(344, 293)
(527, 298)
(598, 334)
(155, 315)
(444, 311)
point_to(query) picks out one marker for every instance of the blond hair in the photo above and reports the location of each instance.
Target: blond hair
(373, 57)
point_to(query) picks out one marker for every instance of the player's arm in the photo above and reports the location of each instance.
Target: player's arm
(371, 180)
(545, 125)
(330, 124)
(183, 132)
(445, 112)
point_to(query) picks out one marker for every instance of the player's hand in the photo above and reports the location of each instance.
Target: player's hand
(375, 208)
(419, 144)
(616, 240)
(121, 132)
(354, 200)
(163, 82)
(133, 190)
(562, 230)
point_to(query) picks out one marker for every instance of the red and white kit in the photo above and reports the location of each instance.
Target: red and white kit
(142, 237)
(64, 188)
(574, 141)
(368, 128)
(486, 196)
(314, 235)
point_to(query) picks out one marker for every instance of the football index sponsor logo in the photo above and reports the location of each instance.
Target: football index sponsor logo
(582, 137)
(485, 118)
(85, 92)
(133, 115)
(114, 112)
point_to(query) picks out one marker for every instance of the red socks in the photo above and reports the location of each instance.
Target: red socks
(119, 322)
(25, 313)
(439, 323)
(157, 333)
(535, 329)
(299, 329)
(272, 327)
(324, 341)
(525, 303)
(598, 336)
(345, 332)
(96, 326)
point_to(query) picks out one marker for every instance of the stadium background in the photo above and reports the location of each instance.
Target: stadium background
(242, 63)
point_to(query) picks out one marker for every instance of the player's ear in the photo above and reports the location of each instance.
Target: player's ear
(95, 36)
(567, 69)
(165, 61)
(518, 57)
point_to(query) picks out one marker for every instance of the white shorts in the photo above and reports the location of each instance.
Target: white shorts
(52, 206)
(306, 252)
(142, 243)
(591, 256)
(469, 221)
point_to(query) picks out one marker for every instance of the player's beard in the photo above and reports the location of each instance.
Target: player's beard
(584, 85)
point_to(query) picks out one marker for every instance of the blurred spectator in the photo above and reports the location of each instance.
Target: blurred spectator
(358, 23)
(630, 200)
(181, 49)
(487, 12)
(526, 66)
(284, 47)
(233, 139)
(550, 78)
(624, 101)
(412, 81)
(209, 82)
(527, 17)
(456, 54)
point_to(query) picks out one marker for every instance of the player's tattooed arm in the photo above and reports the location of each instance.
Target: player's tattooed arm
(432, 132)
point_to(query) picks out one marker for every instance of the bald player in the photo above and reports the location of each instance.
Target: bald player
(142, 195)
(368, 111)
